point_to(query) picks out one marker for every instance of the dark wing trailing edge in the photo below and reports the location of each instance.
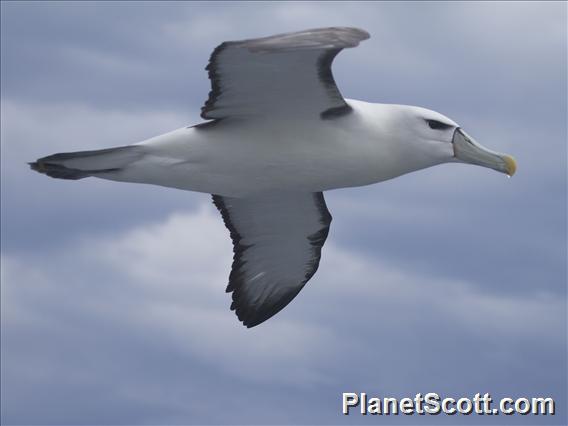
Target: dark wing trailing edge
(277, 242)
(286, 74)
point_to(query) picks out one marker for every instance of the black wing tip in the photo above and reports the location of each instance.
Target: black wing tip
(252, 324)
(251, 316)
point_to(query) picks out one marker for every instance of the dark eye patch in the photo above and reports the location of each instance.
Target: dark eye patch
(438, 125)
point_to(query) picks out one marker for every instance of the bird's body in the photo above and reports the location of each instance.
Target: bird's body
(278, 134)
(241, 159)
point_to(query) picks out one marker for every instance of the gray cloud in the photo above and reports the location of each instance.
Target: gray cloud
(126, 322)
(451, 279)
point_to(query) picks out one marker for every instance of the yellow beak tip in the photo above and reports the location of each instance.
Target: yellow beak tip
(511, 164)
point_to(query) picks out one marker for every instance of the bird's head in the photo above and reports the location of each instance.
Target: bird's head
(444, 141)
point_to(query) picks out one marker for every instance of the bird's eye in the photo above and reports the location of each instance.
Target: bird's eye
(438, 125)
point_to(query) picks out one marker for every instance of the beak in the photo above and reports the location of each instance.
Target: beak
(466, 149)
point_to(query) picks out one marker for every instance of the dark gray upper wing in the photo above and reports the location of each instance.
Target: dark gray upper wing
(277, 241)
(286, 74)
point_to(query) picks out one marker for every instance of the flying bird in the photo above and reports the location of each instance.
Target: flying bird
(278, 133)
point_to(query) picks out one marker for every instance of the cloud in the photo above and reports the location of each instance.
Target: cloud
(171, 280)
(161, 285)
(451, 279)
(38, 212)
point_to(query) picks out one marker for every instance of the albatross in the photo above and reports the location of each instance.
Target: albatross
(277, 134)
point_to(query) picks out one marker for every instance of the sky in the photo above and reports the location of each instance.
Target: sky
(449, 280)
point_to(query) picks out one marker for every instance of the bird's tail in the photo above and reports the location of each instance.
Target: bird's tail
(81, 164)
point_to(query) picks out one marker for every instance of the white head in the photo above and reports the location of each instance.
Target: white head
(434, 139)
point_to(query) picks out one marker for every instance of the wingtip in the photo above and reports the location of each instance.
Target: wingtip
(251, 323)
(359, 33)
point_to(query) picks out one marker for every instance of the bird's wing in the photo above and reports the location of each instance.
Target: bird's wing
(277, 241)
(286, 74)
